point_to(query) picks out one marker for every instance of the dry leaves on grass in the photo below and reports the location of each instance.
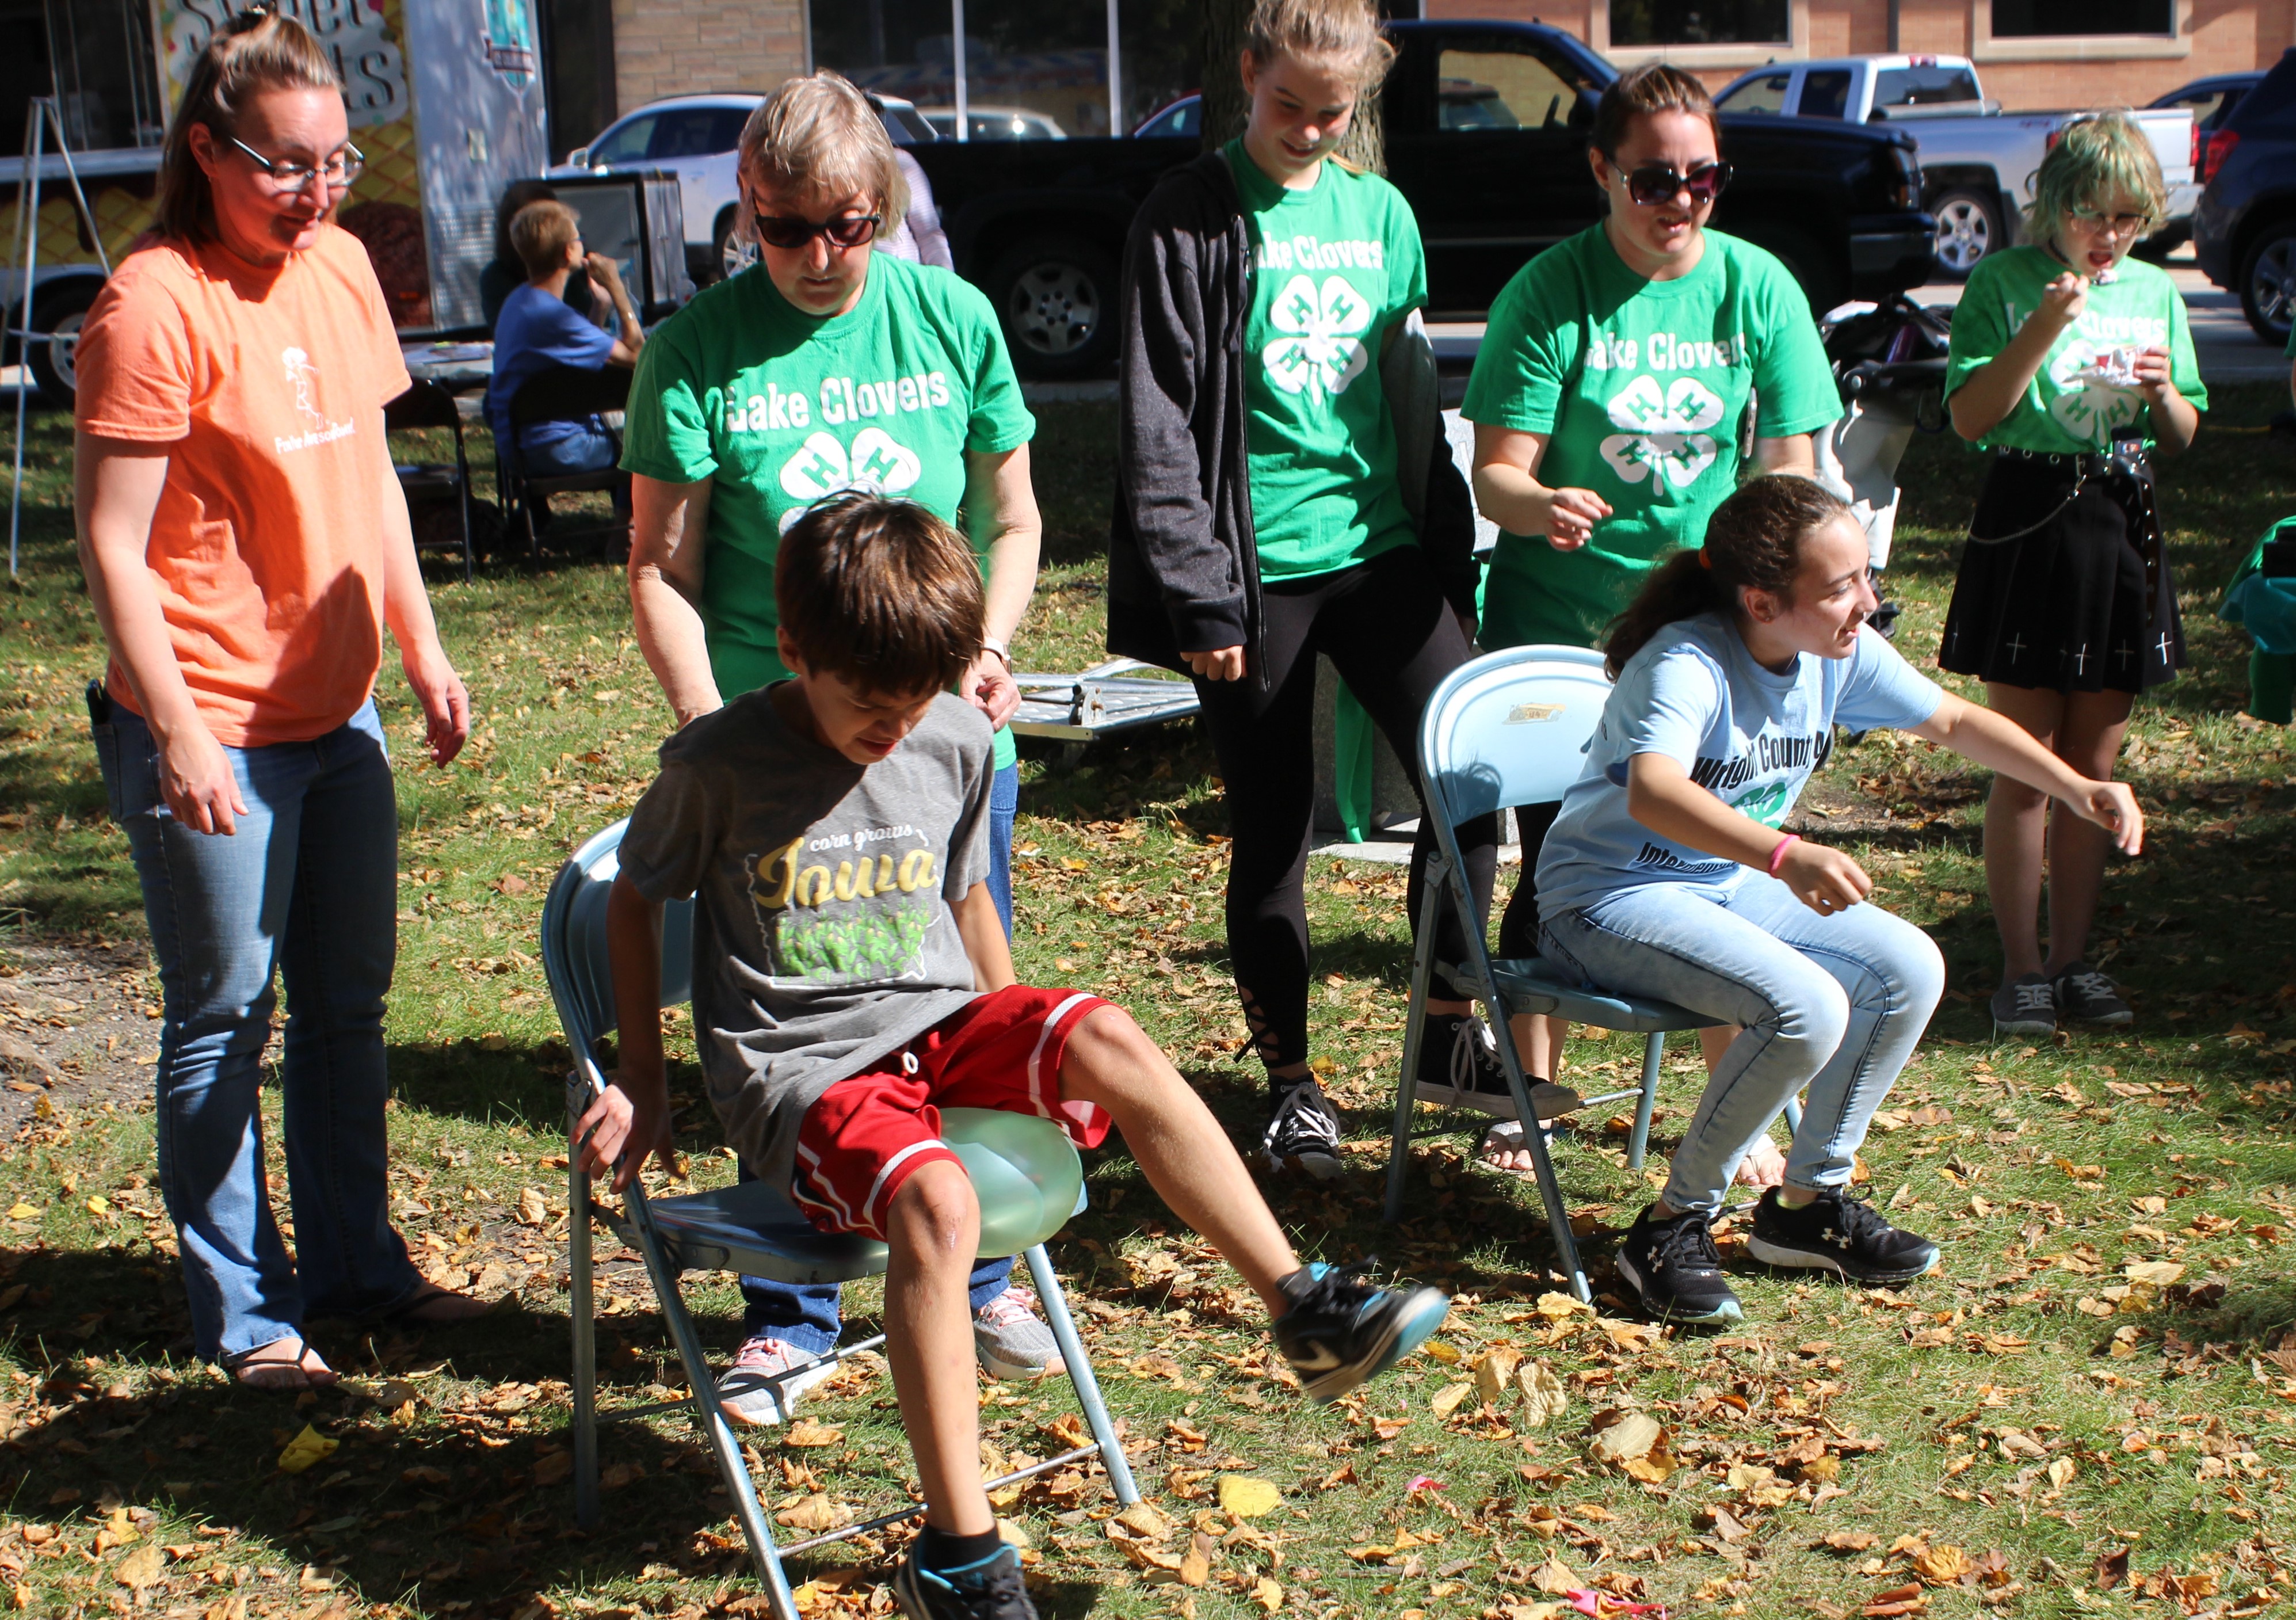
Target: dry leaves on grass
(1634, 1442)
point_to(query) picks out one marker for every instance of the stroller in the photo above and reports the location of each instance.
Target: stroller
(1889, 361)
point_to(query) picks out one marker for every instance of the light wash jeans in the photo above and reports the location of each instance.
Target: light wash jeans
(306, 889)
(806, 1314)
(1834, 1003)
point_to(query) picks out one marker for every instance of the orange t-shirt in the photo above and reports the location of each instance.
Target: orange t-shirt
(267, 546)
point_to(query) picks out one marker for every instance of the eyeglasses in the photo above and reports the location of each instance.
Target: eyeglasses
(1653, 183)
(788, 231)
(2114, 224)
(338, 171)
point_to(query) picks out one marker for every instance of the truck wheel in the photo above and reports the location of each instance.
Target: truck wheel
(1810, 265)
(1057, 297)
(60, 312)
(1968, 228)
(2267, 282)
(729, 255)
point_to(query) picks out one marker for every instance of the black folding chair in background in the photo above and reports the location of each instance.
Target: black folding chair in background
(561, 393)
(427, 404)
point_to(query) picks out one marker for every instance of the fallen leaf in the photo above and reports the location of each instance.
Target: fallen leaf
(1543, 1398)
(1268, 1594)
(22, 1211)
(815, 1514)
(1143, 1519)
(1942, 1566)
(2060, 1472)
(1449, 1400)
(1196, 1563)
(1555, 1575)
(1494, 1371)
(532, 1211)
(306, 1448)
(805, 1432)
(2159, 1274)
(141, 1568)
(1248, 1498)
(1896, 1601)
(1850, 1540)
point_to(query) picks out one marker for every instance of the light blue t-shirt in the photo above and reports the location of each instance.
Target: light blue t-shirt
(1748, 735)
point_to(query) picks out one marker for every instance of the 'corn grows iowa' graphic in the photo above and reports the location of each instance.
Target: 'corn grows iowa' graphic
(837, 909)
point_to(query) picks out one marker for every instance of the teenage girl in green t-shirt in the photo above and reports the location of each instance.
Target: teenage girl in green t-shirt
(1607, 398)
(2064, 606)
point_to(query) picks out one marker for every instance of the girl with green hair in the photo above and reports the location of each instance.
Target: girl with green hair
(2073, 364)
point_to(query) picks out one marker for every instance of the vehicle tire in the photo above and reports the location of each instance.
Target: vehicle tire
(1968, 227)
(1810, 264)
(729, 254)
(1056, 297)
(61, 313)
(2267, 282)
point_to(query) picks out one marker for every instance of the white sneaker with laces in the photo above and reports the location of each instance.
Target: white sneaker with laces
(765, 1379)
(1303, 1133)
(1012, 1341)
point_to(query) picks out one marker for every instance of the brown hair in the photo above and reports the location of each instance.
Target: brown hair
(1341, 32)
(881, 593)
(1753, 542)
(257, 50)
(819, 136)
(1640, 92)
(541, 233)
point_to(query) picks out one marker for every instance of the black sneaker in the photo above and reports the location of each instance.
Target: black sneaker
(1675, 1270)
(2090, 996)
(2027, 1008)
(1459, 1067)
(1340, 1330)
(990, 1590)
(1835, 1232)
(1303, 1133)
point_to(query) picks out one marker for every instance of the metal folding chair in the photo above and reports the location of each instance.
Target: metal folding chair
(1511, 729)
(754, 1229)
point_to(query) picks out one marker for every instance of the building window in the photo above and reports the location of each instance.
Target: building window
(1687, 23)
(2053, 18)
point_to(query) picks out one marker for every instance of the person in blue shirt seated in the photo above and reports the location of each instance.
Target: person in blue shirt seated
(537, 331)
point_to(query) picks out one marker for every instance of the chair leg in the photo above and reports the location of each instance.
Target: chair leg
(580, 1305)
(1415, 1034)
(1534, 1141)
(708, 1416)
(1080, 1375)
(1653, 1049)
(1794, 1115)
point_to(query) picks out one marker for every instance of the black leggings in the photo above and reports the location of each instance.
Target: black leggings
(1386, 627)
(1519, 927)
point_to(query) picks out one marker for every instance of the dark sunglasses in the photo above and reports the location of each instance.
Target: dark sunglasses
(788, 230)
(1653, 183)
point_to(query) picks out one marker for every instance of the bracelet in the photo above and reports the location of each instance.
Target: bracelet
(1779, 853)
(989, 643)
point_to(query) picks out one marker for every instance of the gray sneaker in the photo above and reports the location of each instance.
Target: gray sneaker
(2091, 997)
(765, 1379)
(2029, 1006)
(1012, 1341)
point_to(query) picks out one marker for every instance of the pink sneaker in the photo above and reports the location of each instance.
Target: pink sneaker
(765, 1379)
(1012, 1341)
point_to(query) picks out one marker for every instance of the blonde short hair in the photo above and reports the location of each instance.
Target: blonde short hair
(2096, 155)
(818, 136)
(1342, 33)
(540, 233)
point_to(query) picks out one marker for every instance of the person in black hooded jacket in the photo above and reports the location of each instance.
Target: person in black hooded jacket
(1286, 488)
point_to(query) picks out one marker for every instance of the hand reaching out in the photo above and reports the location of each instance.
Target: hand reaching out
(1572, 516)
(625, 1125)
(2113, 807)
(1823, 879)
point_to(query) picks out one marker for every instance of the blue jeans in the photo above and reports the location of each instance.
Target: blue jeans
(588, 448)
(1834, 1003)
(306, 889)
(806, 1314)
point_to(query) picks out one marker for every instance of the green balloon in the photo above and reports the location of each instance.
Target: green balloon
(1025, 1172)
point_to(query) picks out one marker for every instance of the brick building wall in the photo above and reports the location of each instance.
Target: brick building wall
(686, 47)
(2217, 37)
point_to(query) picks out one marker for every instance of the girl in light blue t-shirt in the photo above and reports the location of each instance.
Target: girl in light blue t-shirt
(1667, 876)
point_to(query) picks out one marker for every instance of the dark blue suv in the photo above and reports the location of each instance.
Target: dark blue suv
(2244, 229)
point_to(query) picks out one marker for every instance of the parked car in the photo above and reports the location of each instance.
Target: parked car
(696, 137)
(1485, 127)
(994, 124)
(2210, 101)
(1978, 162)
(2244, 229)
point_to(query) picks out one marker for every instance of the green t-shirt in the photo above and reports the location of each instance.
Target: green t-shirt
(778, 409)
(1641, 387)
(1333, 267)
(2083, 390)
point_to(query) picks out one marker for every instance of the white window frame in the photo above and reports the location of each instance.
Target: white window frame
(1795, 47)
(2079, 47)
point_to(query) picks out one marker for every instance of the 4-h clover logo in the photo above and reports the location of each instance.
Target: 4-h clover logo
(2091, 405)
(1319, 352)
(878, 463)
(1664, 433)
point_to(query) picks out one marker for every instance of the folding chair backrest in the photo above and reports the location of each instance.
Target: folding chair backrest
(574, 956)
(569, 393)
(1509, 729)
(425, 403)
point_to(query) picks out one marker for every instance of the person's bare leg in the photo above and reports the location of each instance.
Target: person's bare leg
(1181, 1148)
(2089, 740)
(933, 1229)
(1539, 1039)
(2016, 827)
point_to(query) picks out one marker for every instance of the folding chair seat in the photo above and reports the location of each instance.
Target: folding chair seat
(560, 393)
(1024, 1171)
(1511, 728)
(427, 404)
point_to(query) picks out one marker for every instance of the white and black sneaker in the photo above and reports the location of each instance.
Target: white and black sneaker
(1675, 1270)
(1340, 1330)
(1303, 1133)
(1459, 1067)
(2028, 1006)
(2091, 997)
(1835, 1232)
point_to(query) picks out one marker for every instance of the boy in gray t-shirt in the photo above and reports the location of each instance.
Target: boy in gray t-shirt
(851, 977)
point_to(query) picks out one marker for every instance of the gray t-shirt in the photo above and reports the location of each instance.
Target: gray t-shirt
(822, 933)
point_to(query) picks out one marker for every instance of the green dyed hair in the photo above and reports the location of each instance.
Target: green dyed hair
(2099, 155)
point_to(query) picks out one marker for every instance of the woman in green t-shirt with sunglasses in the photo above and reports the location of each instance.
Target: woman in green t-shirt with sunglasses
(1608, 395)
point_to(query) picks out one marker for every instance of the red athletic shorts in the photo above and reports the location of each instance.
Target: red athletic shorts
(872, 1131)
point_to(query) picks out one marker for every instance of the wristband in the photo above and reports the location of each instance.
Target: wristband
(1779, 853)
(989, 643)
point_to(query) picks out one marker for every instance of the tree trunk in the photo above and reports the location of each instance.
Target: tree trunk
(1222, 40)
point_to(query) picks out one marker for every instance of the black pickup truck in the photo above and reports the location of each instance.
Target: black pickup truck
(1485, 134)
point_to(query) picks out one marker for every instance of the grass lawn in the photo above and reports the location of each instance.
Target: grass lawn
(2087, 1411)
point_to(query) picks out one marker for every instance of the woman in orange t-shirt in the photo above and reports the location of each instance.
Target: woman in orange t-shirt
(246, 544)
